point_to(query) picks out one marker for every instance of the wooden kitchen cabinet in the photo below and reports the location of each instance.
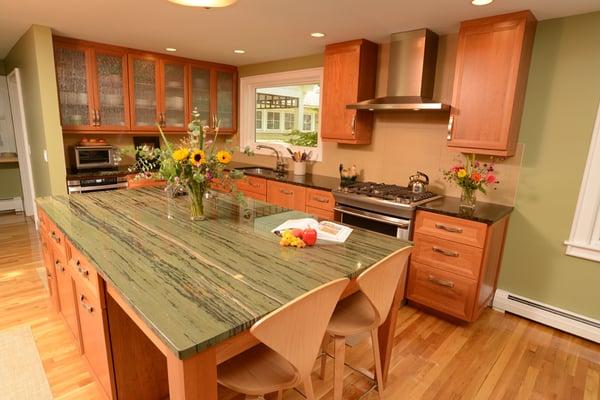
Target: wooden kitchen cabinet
(490, 79)
(349, 72)
(144, 78)
(286, 195)
(173, 96)
(49, 266)
(92, 86)
(455, 263)
(224, 100)
(320, 203)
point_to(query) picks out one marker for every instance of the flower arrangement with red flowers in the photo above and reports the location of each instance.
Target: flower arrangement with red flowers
(472, 176)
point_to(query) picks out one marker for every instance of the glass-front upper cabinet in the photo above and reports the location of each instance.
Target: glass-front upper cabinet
(111, 95)
(200, 92)
(75, 92)
(173, 111)
(226, 98)
(143, 83)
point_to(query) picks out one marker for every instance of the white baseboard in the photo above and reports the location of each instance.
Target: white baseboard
(10, 204)
(563, 320)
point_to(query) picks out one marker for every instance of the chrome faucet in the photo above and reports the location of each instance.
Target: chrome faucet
(280, 165)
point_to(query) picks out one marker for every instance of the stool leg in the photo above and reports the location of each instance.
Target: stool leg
(323, 356)
(378, 374)
(280, 395)
(339, 343)
(308, 388)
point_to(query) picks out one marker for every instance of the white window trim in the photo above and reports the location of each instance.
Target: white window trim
(584, 241)
(248, 86)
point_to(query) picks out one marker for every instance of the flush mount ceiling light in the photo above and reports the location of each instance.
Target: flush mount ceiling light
(481, 2)
(171, 49)
(239, 51)
(204, 3)
(317, 34)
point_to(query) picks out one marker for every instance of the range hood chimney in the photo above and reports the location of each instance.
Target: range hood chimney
(411, 74)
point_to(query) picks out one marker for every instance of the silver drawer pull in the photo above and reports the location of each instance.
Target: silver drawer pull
(447, 228)
(54, 237)
(88, 308)
(286, 192)
(440, 282)
(81, 270)
(59, 265)
(445, 252)
(321, 199)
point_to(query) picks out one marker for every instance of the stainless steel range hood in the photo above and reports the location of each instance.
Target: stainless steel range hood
(411, 74)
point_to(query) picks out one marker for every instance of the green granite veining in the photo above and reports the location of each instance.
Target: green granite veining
(198, 283)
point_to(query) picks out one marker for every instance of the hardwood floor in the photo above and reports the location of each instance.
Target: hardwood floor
(498, 357)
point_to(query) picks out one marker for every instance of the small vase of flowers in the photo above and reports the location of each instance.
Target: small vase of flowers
(471, 176)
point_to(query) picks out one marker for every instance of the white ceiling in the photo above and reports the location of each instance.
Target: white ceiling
(266, 29)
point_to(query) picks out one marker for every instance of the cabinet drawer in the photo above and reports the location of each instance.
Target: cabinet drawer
(93, 334)
(286, 195)
(440, 290)
(252, 184)
(83, 272)
(319, 199)
(450, 228)
(66, 295)
(320, 213)
(449, 256)
(256, 196)
(56, 237)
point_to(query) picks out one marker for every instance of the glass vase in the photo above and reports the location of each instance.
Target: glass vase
(468, 199)
(196, 195)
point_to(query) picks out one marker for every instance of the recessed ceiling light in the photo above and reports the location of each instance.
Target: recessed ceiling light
(171, 49)
(239, 51)
(204, 3)
(317, 34)
(481, 2)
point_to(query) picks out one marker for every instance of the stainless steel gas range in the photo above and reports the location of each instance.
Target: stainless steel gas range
(388, 209)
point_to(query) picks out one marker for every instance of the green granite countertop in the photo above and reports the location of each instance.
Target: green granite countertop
(198, 283)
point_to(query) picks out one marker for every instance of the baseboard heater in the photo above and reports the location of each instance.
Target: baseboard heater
(10, 204)
(566, 321)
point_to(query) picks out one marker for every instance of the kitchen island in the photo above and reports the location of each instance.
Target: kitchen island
(175, 298)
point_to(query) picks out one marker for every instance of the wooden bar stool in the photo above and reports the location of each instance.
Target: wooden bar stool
(365, 311)
(290, 341)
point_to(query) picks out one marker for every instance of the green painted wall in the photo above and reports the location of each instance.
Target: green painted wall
(290, 64)
(33, 55)
(560, 109)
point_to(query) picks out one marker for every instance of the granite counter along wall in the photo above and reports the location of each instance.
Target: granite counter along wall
(402, 141)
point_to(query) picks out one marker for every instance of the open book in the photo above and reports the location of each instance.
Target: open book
(326, 230)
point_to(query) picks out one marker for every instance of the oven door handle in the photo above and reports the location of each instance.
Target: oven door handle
(400, 223)
(78, 189)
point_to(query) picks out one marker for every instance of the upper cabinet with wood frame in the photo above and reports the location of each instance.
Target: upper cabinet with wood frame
(348, 77)
(107, 88)
(491, 72)
(92, 86)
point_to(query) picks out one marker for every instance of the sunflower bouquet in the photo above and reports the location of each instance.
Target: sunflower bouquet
(195, 162)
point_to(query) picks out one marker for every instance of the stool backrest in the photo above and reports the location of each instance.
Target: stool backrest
(379, 282)
(296, 330)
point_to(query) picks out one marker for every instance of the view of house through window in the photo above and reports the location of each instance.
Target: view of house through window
(288, 115)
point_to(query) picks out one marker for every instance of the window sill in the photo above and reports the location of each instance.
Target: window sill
(583, 250)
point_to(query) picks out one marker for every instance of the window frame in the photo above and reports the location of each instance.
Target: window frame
(248, 86)
(584, 240)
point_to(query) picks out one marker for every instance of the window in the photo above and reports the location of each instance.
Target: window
(584, 240)
(273, 120)
(289, 121)
(290, 102)
(259, 120)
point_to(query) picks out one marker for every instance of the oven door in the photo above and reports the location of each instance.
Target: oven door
(391, 226)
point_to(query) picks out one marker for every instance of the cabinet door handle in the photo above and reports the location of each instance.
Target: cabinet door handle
(452, 229)
(88, 308)
(353, 126)
(450, 125)
(286, 192)
(98, 120)
(59, 265)
(321, 199)
(55, 237)
(93, 113)
(254, 184)
(445, 252)
(81, 270)
(441, 282)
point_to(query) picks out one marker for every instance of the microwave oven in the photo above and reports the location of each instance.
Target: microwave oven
(92, 157)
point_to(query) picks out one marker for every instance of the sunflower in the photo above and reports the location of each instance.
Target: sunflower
(198, 157)
(181, 154)
(224, 157)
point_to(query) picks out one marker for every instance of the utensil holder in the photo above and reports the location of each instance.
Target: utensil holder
(299, 168)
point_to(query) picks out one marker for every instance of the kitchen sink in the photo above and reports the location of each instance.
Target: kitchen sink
(258, 171)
